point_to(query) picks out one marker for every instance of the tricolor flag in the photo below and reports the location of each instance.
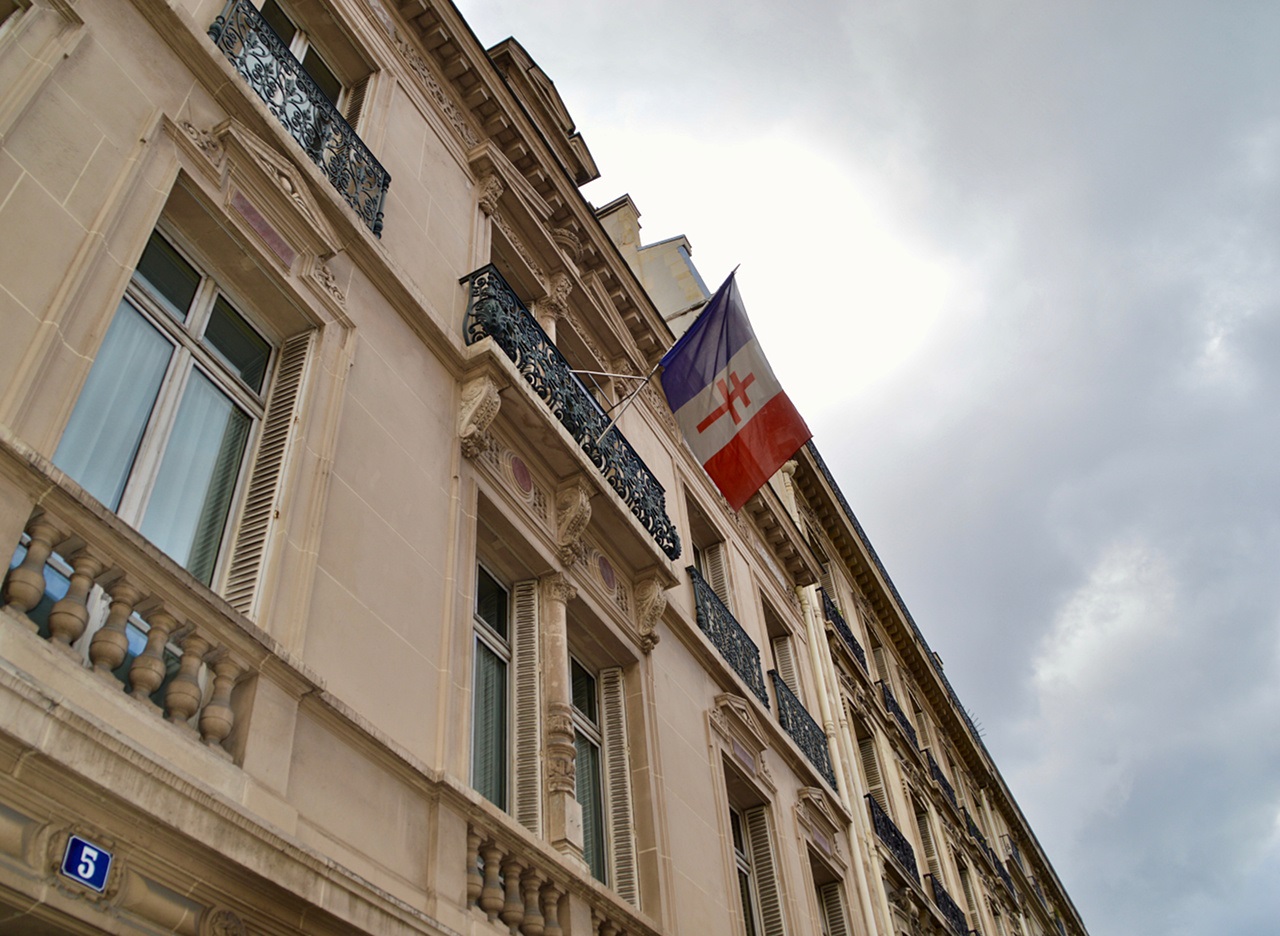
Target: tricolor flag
(730, 407)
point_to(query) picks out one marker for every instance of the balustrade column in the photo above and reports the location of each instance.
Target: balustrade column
(182, 699)
(475, 880)
(70, 614)
(148, 671)
(551, 895)
(110, 644)
(564, 812)
(217, 718)
(513, 905)
(532, 884)
(491, 897)
(24, 585)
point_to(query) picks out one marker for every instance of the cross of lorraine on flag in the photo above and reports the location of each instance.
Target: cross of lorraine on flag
(732, 410)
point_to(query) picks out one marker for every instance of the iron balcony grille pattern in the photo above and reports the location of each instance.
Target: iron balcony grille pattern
(842, 628)
(1003, 870)
(899, 715)
(805, 732)
(950, 909)
(297, 101)
(936, 772)
(495, 312)
(1014, 853)
(723, 629)
(893, 839)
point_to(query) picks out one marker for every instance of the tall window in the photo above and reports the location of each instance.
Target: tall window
(757, 880)
(586, 725)
(299, 43)
(489, 714)
(161, 430)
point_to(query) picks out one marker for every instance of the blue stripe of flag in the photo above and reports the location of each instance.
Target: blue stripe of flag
(705, 349)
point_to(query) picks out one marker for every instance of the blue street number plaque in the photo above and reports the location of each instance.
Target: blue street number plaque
(86, 863)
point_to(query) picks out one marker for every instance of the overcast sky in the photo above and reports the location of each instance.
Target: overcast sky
(1018, 264)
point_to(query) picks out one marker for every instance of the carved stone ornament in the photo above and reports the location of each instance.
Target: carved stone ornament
(573, 512)
(651, 602)
(562, 752)
(491, 189)
(557, 301)
(568, 242)
(204, 141)
(558, 588)
(221, 922)
(480, 403)
(329, 283)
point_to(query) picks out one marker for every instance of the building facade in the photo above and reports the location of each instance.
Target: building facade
(336, 604)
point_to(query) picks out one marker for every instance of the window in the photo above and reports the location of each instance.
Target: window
(781, 643)
(489, 703)
(871, 766)
(709, 553)
(831, 913)
(160, 433)
(303, 48)
(757, 882)
(586, 726)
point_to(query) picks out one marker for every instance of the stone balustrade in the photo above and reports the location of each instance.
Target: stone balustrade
(122, 625)
(529, 891)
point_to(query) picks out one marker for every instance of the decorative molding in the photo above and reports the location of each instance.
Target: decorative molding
(222, 922)
(569, 242)
(525, 253)
(818, 822)
(323, 275)
(480, 403)
(491, 189)
(203, 140)
(561, 749)
(573, 513)
(732, 719)
(651, 602)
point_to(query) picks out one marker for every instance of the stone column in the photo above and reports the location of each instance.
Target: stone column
(564, 815)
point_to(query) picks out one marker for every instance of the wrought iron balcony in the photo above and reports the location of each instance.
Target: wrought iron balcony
(898, 714)
(1014, 851)
(494, 311)
(719, 624)
(951, 911)
(936, 772)
(893, 839)
(297, 101)
(1003, 870)
(805, 732)
(842, 628)
(1035, 885)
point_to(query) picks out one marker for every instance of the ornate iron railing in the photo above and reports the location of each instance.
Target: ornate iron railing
(936, 772)
(898, 714)
(1035, 885)
(842, 627)
(951, 911)
(1014, 852)
(805, 732)
(893, 838)
(1003, 870)
(494, 311)
(719, 624)
(297, 101)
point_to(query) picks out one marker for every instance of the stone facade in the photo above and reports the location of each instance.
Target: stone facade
(332, 607)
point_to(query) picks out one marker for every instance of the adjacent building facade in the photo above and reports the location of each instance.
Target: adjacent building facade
(334, 601)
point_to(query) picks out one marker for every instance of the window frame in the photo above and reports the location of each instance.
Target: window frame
(590, 731)
(190, 352)
(486, 637)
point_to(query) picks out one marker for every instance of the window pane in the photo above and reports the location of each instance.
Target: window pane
(587, 788)
(187, 511)
(584, 691)
(281, 24)
(491, 602)
(101, 440)
(324, 77)
(169, 275)
(489, 727)
(237, 343)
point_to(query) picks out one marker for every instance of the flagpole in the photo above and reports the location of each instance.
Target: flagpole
(626, 403)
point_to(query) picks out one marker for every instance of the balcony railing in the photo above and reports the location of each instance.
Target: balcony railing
(936, 772)
(893, 839)
(723, 629)
(805, 732)
(495, 312)
(891, 704)
(842, 627)
(951, 911)
(1014, 852)
(297, 101)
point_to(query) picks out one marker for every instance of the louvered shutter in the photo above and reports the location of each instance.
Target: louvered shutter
(528, 706)
(355, 101)
(833, 909)
(828, 584)
(262, 501)
(757, 822)
(930, 851)
(617, 769)
(717, 576)
(784, 663)
(967, 883)
(882, 666)
(871, 767)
